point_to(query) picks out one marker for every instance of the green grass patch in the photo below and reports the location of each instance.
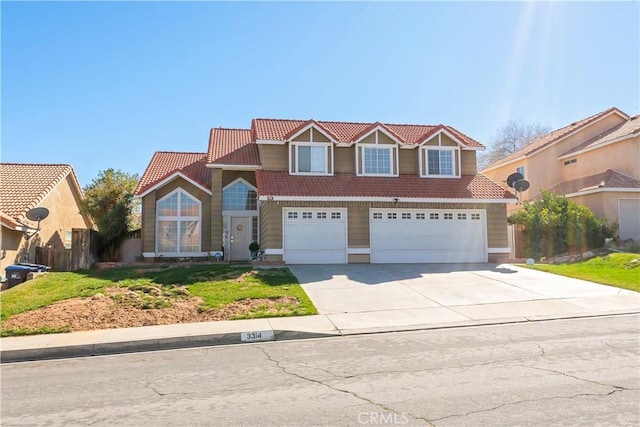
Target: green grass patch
(27, 331)
(621, 270)
(157, 285)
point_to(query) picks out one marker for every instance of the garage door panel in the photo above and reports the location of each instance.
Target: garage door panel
(315, 236)
(419, 236)
(629, 216)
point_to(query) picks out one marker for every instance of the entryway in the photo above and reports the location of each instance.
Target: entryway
(240, 238)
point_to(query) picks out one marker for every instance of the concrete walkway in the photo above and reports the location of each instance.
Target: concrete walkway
(357, 299)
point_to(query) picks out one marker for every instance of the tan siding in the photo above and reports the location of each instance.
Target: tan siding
(384, 139)
(358, 259)
(304, 136)
(345, 159)
(446, 141)
(497, 227)
(469, 165)
(149, 221)
(409, 161)
(358, 226)
(319, 136)
(271, 226)
(216, 209)
(370, 139)
(274, 157)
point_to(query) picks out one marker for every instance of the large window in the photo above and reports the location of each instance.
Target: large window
(239, 197)
(311, 159)
(178, 224)
(440, 162)
(377, 160)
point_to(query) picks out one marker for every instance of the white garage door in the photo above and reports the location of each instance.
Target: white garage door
(426, 235)
(315, 236)
(629, 219)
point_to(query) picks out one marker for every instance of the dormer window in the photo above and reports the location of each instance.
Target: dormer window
(311, 159)
(440, 157)
(311, 153)
(377, 155)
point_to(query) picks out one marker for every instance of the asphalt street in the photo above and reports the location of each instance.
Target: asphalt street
(561, 372)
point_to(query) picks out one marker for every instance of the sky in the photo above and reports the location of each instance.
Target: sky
(103, 85)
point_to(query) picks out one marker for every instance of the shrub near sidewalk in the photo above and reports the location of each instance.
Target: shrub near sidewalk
(621, 270)
(236, 292)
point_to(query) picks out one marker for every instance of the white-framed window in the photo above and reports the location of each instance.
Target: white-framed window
(448, 216)
(377, 215)
(440, 162)
(475, 216)
(239, 196)
(336, 215)
(462, 216)
(292, 215)
(321, 215)
(406, 215)
(434, 216)
(310, 158)
(392, 215)
(68, 237)
(307, 215)
(420, 215)
(178, 219)
(377, 160)
(520, 170)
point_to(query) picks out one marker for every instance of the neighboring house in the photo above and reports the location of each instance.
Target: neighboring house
(27, 186)
(326, 192)
(594, 162)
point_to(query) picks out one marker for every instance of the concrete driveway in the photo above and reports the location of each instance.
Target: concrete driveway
(375, 296)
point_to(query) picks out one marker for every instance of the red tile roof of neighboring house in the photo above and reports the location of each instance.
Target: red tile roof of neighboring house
(232, 147)
(24, 185)
(164, 164)
(629, 128)
(608, 179)
(276, 183)
(554, 136)
(349, 132)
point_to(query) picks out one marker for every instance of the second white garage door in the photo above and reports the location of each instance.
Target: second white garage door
(315, 236)
(428, 236)
(629, 214)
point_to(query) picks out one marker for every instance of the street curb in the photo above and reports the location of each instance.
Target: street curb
(231, 338)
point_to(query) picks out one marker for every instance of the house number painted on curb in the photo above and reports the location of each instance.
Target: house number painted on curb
(255, 336)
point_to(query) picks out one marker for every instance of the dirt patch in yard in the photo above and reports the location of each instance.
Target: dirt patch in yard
(125, 307)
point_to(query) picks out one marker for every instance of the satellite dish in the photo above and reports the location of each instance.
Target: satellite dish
(38, 214)
(513, 178)
(521, 185)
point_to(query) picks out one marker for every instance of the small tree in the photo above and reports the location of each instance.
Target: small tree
(553, 225)
(509, 138)
(109, 201)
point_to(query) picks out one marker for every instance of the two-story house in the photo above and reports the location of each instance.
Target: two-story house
(594, 162)
(319, 192)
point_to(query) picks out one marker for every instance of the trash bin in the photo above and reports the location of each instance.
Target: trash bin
(36, 268)
(17, 274)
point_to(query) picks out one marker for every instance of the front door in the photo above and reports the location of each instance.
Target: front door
(240, 238)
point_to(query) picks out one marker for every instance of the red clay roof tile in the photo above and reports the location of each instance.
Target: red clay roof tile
(24, 185)
(348, 132)
(277, 183)
(232, 147)
(164, 164)
(608, 179)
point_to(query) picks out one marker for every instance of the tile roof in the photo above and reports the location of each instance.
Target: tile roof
(24, 185)
(628, 128)
(349, 132)
(554, 136)
(277, 183)
(164, 164)
(608, 179)
(232, 147)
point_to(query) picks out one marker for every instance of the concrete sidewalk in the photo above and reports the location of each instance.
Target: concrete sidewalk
(384, 299)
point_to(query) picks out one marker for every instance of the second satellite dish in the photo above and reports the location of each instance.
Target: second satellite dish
(38, 214)
(521, 185)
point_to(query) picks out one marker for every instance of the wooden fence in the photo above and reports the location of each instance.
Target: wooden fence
(80, 257)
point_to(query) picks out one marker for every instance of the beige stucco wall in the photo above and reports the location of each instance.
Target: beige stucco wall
(543, 170)
(604, 204)
(64, 215)
(149, 213)
(623, 156)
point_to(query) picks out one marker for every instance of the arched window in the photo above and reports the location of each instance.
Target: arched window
(178, 219)
(239, 196)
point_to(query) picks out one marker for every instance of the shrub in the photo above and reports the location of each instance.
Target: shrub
(554, 225)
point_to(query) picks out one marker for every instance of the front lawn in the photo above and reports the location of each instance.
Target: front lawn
(616, 269)
(237, 292)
